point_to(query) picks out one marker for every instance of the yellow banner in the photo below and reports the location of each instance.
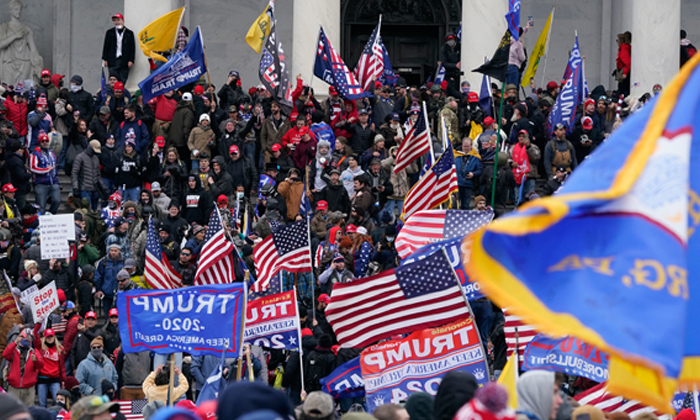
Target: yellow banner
(161, 34)
(537, 52)
(259, 30)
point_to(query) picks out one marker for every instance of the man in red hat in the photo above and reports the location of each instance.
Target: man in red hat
(332, 106)
(47, 87)
(119, 49)
(39, 120)
(9, 212)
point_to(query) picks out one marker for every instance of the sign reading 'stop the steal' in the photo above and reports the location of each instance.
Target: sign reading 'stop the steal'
(198, 320)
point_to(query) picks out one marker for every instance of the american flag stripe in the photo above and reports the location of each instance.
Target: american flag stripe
(526, 333)
(430, 191)
(286, 249)
(216, 258)
(158, 272)
(599, 397)
(132, 409)
(415, 145)
(370, 309)
(371, 63)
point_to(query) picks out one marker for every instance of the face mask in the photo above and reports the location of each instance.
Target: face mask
(112, 205)
(75, 88)
(119, 27)
(24, 343)
(61, 404)
(390, 239)
(240, 195)
(452, 43)
(96, 353)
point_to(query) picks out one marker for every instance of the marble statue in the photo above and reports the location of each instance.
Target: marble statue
(19, 58)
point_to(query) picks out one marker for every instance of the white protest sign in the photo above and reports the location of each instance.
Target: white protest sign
(56, 231)
(27, 294)
(44, 302)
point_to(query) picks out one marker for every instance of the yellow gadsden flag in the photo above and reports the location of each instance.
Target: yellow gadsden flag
(537, 52)
(161, 34)
(260, 28)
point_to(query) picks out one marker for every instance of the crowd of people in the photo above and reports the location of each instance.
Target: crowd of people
(176, 158)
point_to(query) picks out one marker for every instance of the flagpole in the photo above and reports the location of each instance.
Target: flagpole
(313, 65)
(546, 47)
(430, 140)
(311, 258)
(239, 374)
(498, 140)
(469, 308)
(301, 349)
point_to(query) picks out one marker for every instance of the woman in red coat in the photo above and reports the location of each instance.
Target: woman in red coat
(53, 373)
(624, 63)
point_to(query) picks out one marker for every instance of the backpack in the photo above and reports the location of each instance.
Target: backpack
(317, 367)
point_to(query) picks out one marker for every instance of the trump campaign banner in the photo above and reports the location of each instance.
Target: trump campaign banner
(345, 381)
(200, 320)
(272, 321)
(567, 355)
(183, 68)
(395, 369)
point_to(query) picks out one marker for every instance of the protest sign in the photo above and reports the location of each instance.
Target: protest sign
(345, 381)
(201, 320)
(272, 321)
(56, 231)
(44, 302)
(567, 355)
(27, 294)
(394, 369)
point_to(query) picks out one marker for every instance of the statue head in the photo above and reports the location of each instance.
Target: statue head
(15, 8)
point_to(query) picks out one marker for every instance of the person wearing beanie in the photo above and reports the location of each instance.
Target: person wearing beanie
(420, 406)
(133, 128)
(489, 403)
(456, 389)
(79, 99)
(202, 140)
(129, 172)
(91, 408)
(12, 408)
(94, 368)
(25, 363)
(319, 363)
(559, 151)
(538, 396)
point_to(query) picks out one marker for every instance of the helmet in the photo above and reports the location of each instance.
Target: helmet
(267, 189)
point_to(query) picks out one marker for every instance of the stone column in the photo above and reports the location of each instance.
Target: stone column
(307, 16)
(655, 43)
(483, 26)
(138, 14)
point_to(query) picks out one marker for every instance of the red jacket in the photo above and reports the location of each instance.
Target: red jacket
(17, 113)
(31, 368)
(54, 364)
(348, 117)
(71, 333)
(624, 58)
(164, 108)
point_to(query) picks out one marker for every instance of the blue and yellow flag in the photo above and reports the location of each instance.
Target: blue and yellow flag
(161, 34)
(260, 28)
(613, 258)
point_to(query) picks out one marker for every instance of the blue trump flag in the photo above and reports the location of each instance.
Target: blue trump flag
(439, 75)
(183, 68)
(564, 108)
(513, 18)
(485, 100)
(575, 60)
(330, 68)
(200, 320)
(345, 381)
(567, 355)
(388, 77)
(621, 267)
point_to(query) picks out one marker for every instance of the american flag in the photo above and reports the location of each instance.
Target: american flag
(371, 63)
(158, 272)
(286, 249)
(408, 298)
(133, 409)
(330, 68)
(7, 299)
(526, 333)
(599, 397)
(216, 265)
(428, 226)
(415, 145)
(434, 188)
(273, 71)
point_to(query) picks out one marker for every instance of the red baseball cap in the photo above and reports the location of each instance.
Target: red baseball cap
(118, 16)
(45, 72)
(206, 410)
(351, 229)
(187, 405)
(324, 298)
(8, 188)
(552, 85)
(488, 121)
(233, 149)
(304, 130)
(306, 331)
(118, 86)
(587, 123)
(160, 141)
(588, 101)
(91, 314)
(113, 312)
(331, 90)
(276, 147)
(222, 199)
(322, 205)
(198, 90)
(377, 85)
(49, 333)
(473, 97)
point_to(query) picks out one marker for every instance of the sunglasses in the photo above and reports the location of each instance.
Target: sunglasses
(121, 280)
(96, 347)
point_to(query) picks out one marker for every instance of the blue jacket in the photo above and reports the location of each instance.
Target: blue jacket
(464, 165)
(106, 275)
(38, 122)
(139, 132)
(202, 367)
(90, 373)
(40, 161)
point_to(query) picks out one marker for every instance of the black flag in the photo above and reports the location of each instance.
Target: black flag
(274, 74)
(498, 65)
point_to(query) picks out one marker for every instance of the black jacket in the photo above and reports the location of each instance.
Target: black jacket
(101, 129)
(337, 197)
(109, 48)
(449, 58)
(65, 280)
(129, 171)
(196, 205)
(110, 160)
(362, 138)
(20, 177)
(82, 101)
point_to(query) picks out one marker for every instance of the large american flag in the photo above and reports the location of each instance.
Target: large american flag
(157, 271)
(525, 334)
(599, 397)
(370, 66)
(330, 68)
(428, 226)
(434, 188)
(286, 249)
(420, 295)
(415, 145)
(132, 409)
(216, 262)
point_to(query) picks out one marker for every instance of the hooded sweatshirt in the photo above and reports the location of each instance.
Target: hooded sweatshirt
(456, 389)
(535, 393)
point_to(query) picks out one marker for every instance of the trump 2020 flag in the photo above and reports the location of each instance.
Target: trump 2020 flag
(345, 381)
(183, 68)
(621, 238)
(575, 60)
(564, 108)
(513, 18)
(439, 75)
(330, 68)
(388, 77)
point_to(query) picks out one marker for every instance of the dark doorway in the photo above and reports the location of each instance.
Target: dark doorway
(412, 31)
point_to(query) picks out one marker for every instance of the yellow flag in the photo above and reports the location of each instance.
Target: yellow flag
(537, 52)
(260, 29)
(508, 379)
(161, 34)
(9, 214)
